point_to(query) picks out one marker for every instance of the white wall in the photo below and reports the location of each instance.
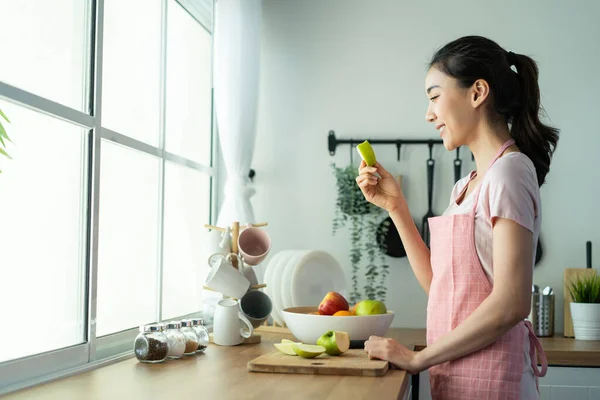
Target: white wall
(358, 67)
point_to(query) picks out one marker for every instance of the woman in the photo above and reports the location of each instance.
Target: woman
(478, 273)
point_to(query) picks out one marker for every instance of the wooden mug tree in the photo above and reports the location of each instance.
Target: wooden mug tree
(235, 233)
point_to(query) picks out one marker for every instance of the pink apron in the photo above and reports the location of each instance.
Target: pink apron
(458, 287)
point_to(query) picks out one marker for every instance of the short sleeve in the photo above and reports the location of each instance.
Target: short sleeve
(512, 191)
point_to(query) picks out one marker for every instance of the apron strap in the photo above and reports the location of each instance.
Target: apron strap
(505, 146)
(534, 344)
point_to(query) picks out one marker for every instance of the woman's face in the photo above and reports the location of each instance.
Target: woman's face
(450, 109)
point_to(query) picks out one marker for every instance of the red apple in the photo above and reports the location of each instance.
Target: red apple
(332, 303)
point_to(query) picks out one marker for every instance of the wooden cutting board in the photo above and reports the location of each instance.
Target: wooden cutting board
(570, 275)
(353, 362)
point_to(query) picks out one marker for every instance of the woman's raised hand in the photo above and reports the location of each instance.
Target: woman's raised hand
(383, 190)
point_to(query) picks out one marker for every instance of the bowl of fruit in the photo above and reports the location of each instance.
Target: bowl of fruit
(334, 313)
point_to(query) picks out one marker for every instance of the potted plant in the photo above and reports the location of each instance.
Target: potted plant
(585, 308)
(3, 136)
(351, 208)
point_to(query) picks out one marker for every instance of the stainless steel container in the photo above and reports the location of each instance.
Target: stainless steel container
(542, 312)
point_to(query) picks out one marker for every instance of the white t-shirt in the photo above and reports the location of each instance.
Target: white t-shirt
(508, 190)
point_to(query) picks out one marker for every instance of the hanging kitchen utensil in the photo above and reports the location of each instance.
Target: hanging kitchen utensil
(388, 237)
(539, 252)
(430, 166)
(457, 166)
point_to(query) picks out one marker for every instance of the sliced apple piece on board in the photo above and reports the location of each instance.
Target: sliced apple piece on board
(285, 348)
(308, 350)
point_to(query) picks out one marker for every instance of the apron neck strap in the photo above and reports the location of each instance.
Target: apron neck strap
(505, 146)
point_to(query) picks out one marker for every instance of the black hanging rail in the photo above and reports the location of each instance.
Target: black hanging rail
(333, 142)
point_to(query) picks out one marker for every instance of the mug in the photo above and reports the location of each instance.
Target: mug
(227, 327)
(257, 306)
(219, 242)
(254, 244)
(225, 278)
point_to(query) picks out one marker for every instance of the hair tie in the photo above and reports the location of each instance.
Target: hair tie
(510, 56)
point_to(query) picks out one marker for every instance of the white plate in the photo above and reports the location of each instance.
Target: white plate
(315, 274)
(276, 283)
(286, 279)
(269, 289)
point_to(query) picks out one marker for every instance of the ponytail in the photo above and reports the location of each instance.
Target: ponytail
(535, 139)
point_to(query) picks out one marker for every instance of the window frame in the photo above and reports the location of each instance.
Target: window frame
(98, 351)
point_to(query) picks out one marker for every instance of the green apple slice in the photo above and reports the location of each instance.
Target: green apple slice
(308, 350)
(289, 341)
(285, 348)
(366, 152)
(335, 342)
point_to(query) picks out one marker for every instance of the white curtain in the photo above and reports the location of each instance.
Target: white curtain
(236, 73)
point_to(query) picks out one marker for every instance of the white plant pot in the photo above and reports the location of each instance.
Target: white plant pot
(586, 320)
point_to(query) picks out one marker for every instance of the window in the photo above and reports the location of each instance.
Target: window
(103, 204)
(43, 44)
(42, 192)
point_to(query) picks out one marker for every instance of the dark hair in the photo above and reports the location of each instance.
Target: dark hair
(514, 95)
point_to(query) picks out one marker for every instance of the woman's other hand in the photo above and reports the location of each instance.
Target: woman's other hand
(383, 190)
(388, 349)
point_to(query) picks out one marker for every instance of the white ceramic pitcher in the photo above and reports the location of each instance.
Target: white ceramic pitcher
(227, 327)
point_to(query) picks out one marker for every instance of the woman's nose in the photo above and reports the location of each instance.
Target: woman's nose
(429, 116)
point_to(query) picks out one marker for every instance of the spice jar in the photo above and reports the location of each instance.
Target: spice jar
(176, 339)
(191, 338)
(151, 344)
(202, 332)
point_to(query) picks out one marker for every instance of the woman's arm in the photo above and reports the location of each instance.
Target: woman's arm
(381, 188)
(509, 303)
(417, 252)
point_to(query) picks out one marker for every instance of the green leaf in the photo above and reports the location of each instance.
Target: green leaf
(5, 153)
(586, 289)
(4, 116)
(3, 133)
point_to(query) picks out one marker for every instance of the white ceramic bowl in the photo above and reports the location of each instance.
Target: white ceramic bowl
(309, 327)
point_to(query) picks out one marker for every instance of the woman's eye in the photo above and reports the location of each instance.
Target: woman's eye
(434, 97)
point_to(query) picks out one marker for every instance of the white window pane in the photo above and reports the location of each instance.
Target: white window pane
(189, 84)
(42, 234)
(128, 239)
(44, 48)
(131, 68)
(187, 209)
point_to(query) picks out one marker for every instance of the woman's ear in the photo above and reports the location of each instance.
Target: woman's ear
(479, 92)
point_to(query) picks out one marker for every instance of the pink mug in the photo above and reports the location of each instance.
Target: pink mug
(254, 244)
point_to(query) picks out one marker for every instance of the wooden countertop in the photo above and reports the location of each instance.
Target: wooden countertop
(222, 373)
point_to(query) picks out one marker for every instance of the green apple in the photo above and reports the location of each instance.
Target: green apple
(370, 307)
(308, 350)
(285, 348)
(334, 342)
(366, 152)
